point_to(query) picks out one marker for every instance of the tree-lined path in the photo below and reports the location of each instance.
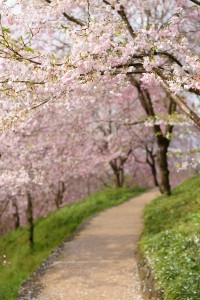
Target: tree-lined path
(100, 263)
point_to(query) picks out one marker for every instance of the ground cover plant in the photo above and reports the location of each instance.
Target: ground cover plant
(19, 260)
(171, 241)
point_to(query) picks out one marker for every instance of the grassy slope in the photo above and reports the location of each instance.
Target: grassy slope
(171, 241)
(50, 231)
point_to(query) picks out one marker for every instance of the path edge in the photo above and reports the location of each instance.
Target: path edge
(31, 287)
(149, 284)
(32, 282)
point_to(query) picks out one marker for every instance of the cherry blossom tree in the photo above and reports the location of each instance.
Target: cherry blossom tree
(61, 151)
(106, 39)
(65, 59)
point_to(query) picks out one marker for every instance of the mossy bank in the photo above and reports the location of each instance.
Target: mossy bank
(170, 244)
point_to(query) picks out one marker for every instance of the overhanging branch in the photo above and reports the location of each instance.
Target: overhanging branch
(176, 99)
(196, 2)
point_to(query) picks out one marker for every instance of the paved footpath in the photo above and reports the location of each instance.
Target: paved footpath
(100, 262)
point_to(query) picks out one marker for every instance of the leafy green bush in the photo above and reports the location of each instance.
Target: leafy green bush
(171, 241)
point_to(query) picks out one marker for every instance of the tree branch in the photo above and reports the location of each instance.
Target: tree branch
(176, 99)
(196, 2)
(195, 91)
(73, 19)
(171, 56)
(123, 15)
(135, 123)
(69, 17)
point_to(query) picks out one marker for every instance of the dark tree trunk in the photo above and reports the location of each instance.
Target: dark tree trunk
(16, 214)
(122, 176)
(162, 141)
(154, 174)
(119, 175)
(30, 220)
(162, 161)
(152, 163)
(60, 194)
(117, 166)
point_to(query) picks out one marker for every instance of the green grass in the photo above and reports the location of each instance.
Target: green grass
(171, 241)
(50, 231)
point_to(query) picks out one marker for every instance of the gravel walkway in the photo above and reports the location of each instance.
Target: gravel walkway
(99, 263)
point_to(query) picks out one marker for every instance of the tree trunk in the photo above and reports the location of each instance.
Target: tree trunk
(16, 213)
(154, 174)
(162, 141)
(119, 176)
(30, 220)
(162, 161)
(60, 194)
(150, 160)
(118, 170)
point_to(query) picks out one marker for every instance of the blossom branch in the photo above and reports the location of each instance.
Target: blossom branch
(123, 15)
(73, 19)
(69, 17)
(176, 99)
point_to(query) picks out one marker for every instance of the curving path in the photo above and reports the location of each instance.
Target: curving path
(100, 262)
